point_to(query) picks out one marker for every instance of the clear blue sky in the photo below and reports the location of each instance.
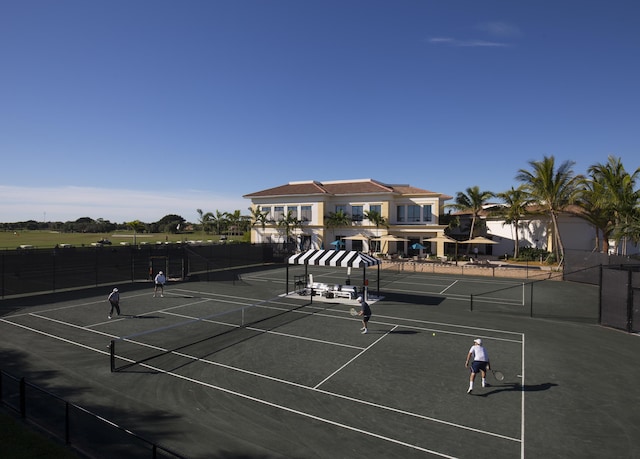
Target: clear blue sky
(128, 109)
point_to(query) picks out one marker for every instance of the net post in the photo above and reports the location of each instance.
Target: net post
(471, 302)
(112, 355)
(531, 300)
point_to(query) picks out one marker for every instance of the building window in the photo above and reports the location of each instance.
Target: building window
(357, 213)
(427, 216)
(400, 214)
(341, 208)
(305, 213)
(278, 213)
(413, 214)
(375, 208)
(293, 211)
(266, 210)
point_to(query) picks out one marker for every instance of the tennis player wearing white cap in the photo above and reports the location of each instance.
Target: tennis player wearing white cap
(114, 299)
(365, 312)
(160, 280)
(479, 359)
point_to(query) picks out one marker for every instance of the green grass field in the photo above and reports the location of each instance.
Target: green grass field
(49, 239)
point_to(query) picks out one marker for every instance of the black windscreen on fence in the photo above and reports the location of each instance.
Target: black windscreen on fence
(621, 297)
(45, 270)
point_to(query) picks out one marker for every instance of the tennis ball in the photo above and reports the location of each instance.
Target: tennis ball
(434, 334)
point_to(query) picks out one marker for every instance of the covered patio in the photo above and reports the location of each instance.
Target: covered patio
(337, 258)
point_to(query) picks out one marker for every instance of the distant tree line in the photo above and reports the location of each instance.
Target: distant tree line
(221, 223)
(167, 224)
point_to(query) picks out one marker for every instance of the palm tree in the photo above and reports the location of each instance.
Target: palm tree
(136, 226)
(631, 229)
(472, 202)
(337, 219)
(205, 220)
(288, 224)
(595, 210)
(259, 217)
(219, 221)
(618, 197)
(516, 201)
(233, 219)
(377, 219)
(552, 189)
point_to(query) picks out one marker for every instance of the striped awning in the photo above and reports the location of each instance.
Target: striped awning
(342, 258)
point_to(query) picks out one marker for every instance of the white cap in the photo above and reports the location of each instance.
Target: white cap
(115, 289)
(478, 341)
(160, 272)
(359, 298)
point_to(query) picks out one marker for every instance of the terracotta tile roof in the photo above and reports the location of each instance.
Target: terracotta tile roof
(290, 189)
(351, 187)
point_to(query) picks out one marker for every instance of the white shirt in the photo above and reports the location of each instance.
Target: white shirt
(478, 353)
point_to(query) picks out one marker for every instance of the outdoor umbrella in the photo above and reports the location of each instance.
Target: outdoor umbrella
(337, 243)
(478, 240)
(445, 238)
(442, 238)
(389, 238)
(358, 237)
(417, 246)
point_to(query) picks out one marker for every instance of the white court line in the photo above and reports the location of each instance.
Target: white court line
(522, 403)
(353, 359)
(248, 397)
(458, 296)
(62, 308)
(448, 287)
(295, 384)
(383, 407)
(271, 332)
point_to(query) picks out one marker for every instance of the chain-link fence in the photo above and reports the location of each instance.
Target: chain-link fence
(76, 427)
(24, 272)
(619, 279)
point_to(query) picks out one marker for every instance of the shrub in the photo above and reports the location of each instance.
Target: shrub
(532, 254)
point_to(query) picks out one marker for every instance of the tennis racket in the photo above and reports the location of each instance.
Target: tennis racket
(353, 312)
(498, 375)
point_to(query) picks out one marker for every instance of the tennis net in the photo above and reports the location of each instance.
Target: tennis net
(212, 332)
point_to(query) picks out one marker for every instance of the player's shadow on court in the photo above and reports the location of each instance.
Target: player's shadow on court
(403, 332)
(515, 387)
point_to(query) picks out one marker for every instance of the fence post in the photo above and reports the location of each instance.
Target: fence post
(531, 300)
(67, 424)
(600, 274)
(629, 301)
(23, 398)
(53, 274)
(112, 357)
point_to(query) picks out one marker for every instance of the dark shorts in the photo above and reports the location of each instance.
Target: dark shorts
(366, 318)
(476, 366)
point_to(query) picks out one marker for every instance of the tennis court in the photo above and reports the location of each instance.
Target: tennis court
(239, 369)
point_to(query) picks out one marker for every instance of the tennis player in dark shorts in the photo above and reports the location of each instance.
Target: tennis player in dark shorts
(365, 312)
(477, 362)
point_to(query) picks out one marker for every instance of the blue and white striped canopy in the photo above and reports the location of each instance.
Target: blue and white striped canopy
(342, 258)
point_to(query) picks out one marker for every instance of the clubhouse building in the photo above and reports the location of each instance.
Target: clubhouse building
(410, 216)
